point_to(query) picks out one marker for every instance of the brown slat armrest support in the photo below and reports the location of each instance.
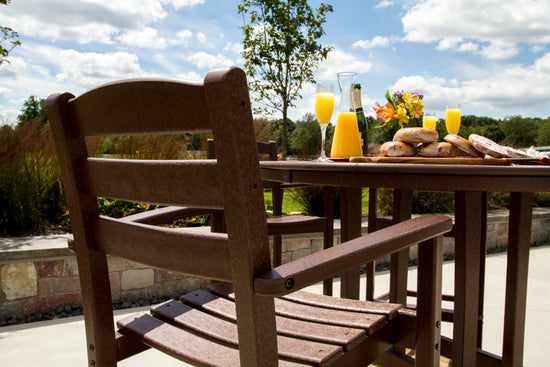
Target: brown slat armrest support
(318, 266)
(165, 215)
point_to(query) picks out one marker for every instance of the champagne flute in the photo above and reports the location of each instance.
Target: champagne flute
(324, 105)
(429, 120)
(452, 118)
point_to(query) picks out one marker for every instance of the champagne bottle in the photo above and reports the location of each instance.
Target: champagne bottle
(361, 120)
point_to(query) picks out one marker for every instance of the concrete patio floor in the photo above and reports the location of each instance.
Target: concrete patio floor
(62, 342)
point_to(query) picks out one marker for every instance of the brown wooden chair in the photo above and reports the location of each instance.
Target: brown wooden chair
(240, 321)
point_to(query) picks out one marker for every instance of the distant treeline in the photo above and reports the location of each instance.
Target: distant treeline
(516, 131)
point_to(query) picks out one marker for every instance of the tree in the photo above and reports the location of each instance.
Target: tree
(519, 131)
(7, 35)
(34, 110)
(281, 51)
(306, 138)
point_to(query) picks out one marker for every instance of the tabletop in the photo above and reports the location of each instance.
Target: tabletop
(436, 177)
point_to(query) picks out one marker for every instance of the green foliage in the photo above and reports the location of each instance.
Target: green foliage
(424, 202)
(543, 136)
(34, 110)
(31, 193)
(519, 131)
(311, 200)
(9, 39)
(281, 51)
(119, 209)
(305, 140)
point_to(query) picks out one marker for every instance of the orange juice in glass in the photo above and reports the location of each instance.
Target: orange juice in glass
(346, 142)
(324, 105)
(428, 120)
(452, 118)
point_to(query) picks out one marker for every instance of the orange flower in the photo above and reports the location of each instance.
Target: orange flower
(386, 113)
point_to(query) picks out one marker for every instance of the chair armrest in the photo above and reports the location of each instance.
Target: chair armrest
(321, 265)
(166, 215)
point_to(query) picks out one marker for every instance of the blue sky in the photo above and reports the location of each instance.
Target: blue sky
(491, 56)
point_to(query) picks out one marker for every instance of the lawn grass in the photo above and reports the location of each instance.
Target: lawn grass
(292, 206)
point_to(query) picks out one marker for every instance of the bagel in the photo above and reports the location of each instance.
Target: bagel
(416, 135)
(463, 144)
(487, 146)
(397, 149)
(441, 149)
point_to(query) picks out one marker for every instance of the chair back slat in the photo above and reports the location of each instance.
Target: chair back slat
(199, 254)
(147, 106)
(192, 183)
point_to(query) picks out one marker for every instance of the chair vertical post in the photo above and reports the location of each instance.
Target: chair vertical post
(238, 165)
(92, 264)
(428, 329)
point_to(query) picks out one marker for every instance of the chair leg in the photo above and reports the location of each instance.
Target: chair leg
(428, 329)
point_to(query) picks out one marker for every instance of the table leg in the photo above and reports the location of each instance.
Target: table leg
(402, 210)
(350, 228)
(482, 256)
(468, 222)
(519, 239)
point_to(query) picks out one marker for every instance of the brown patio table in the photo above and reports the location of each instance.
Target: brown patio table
(470, 184)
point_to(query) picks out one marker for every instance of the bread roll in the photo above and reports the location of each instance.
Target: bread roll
(397, 149)
(463, 144)
(416, 135)
(442, 149)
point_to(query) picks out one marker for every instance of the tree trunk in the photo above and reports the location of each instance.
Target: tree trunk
(284, 136)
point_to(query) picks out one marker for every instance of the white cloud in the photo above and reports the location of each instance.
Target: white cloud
(183, 3)
(191, 76)
(233, 47)
(184, 37)
(205, 60)
(83, 21)
(201, 37)
(87, 69)
(468, 46)
(16, 66)
(339, 60)
(375, 42)
(499, 51)
(384, 4)
(146, 38)
(496, 26)
(509, 89)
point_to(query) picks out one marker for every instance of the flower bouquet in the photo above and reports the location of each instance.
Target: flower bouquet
(402, 108)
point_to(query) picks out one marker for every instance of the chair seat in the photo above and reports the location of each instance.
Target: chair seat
(293, 224)
(312, 329)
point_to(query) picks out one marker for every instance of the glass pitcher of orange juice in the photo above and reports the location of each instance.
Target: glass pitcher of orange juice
(346, 141)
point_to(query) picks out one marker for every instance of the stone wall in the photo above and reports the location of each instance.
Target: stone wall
(40, 277)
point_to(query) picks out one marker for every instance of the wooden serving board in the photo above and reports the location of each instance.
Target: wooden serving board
(433, 160)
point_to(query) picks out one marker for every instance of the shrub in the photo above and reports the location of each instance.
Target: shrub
(31, 193)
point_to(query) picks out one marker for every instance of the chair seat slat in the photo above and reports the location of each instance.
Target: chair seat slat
(309, 298)
(312, 329)
(185, 316)
(165, 182)
(331, 310)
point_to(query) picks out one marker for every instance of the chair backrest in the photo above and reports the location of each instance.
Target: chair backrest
(233, 183)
